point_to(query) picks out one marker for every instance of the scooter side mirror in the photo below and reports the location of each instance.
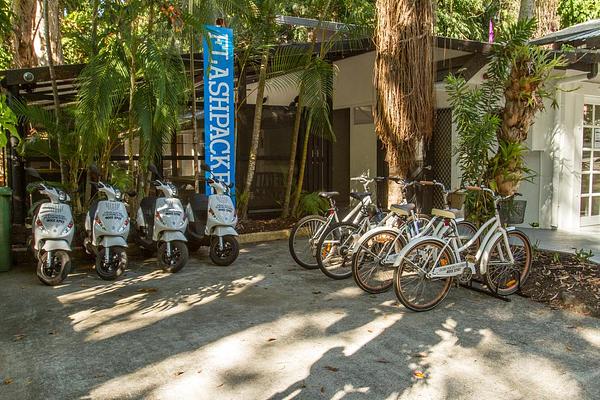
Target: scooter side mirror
(94, 169)
(33, 173)
(132, 193)
(152, 168)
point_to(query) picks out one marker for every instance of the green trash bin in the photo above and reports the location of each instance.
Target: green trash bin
(5, 226)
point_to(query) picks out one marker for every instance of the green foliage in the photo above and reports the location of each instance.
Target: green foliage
(6, 16)
(573, 12)
(477, 124)
(556, 258)
(8, 122)
(517, 77)
(76, 28)
(582, 255)
(311, 204)
(508, 165)
(120, 177)
(469, 19)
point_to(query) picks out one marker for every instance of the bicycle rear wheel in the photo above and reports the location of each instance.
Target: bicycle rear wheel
(412, 287)
(302, 242)
(334, 251)
(466, 231)
(502, 276)
(372, 266)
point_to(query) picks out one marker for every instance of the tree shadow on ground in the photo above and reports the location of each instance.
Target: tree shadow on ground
(264, 328)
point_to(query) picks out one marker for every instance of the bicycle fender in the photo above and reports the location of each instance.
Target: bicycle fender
(416, 242)
(360, 240)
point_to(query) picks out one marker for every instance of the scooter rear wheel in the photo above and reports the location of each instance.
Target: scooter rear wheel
(116, 264)
(177, 260)
(226, 255)
(58, 270)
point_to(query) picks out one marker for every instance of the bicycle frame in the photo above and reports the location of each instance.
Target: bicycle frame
(492, 228)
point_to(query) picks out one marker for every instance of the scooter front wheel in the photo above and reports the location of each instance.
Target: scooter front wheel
(116, 264)
(226, 254)
(54, 272)
(174, 260)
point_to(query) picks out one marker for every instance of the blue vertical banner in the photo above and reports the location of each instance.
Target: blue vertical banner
(219, 108)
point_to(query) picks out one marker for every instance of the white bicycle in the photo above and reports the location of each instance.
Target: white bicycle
(426, 267)
(307, 232)
(376, 251)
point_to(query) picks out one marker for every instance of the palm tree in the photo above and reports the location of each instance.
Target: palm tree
(261, 28)
(137, 70)
(49, 55)
(316, 85)
(403, 81)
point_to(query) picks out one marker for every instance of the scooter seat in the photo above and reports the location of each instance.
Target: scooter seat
(148, 206)
(199, 205)
(93, 209)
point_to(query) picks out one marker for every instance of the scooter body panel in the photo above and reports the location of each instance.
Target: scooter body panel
(223, 231)
(169, 236)
(110, 222)
(221, 215)
(53, 245)
(169, 217)
(53, 222)
(111, 241)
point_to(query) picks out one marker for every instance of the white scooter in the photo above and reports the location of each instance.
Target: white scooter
(212, 221)
(161, 222)
(52, 232)
(107, 228)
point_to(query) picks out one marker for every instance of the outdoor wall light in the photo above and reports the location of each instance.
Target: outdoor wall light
(28, 76)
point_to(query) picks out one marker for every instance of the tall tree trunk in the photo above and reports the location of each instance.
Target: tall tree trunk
(403, 81)
(196, 138)
(260, 92)
(292, 161)
(94, 38)
(526, 9)
(546, 13)
(302, 168)
(23, 33)
(63, 173)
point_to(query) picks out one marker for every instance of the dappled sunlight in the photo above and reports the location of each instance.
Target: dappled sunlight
(592, 336)
(450, 369)
(254, 354)
(346, 293)
(139, 310)
(103, 287)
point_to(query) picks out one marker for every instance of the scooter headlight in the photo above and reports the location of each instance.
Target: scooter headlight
(62, 196)
(118, 195)
(174, 190)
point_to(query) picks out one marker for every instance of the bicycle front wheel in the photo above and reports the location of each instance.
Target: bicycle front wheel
(413, 288)
(334, 251)
(503, 276)
(304, 238)
(373, 262)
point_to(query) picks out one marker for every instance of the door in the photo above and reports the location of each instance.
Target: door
(589, 210)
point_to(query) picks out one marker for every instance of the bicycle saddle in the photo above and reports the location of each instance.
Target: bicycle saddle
(451, 213)
(402, 209)
(359, 195)
(328, 195)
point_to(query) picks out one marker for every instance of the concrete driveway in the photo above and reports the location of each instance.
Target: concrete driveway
(267, 329)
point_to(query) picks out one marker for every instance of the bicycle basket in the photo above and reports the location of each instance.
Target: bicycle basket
(456, 200)
(512, 212)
